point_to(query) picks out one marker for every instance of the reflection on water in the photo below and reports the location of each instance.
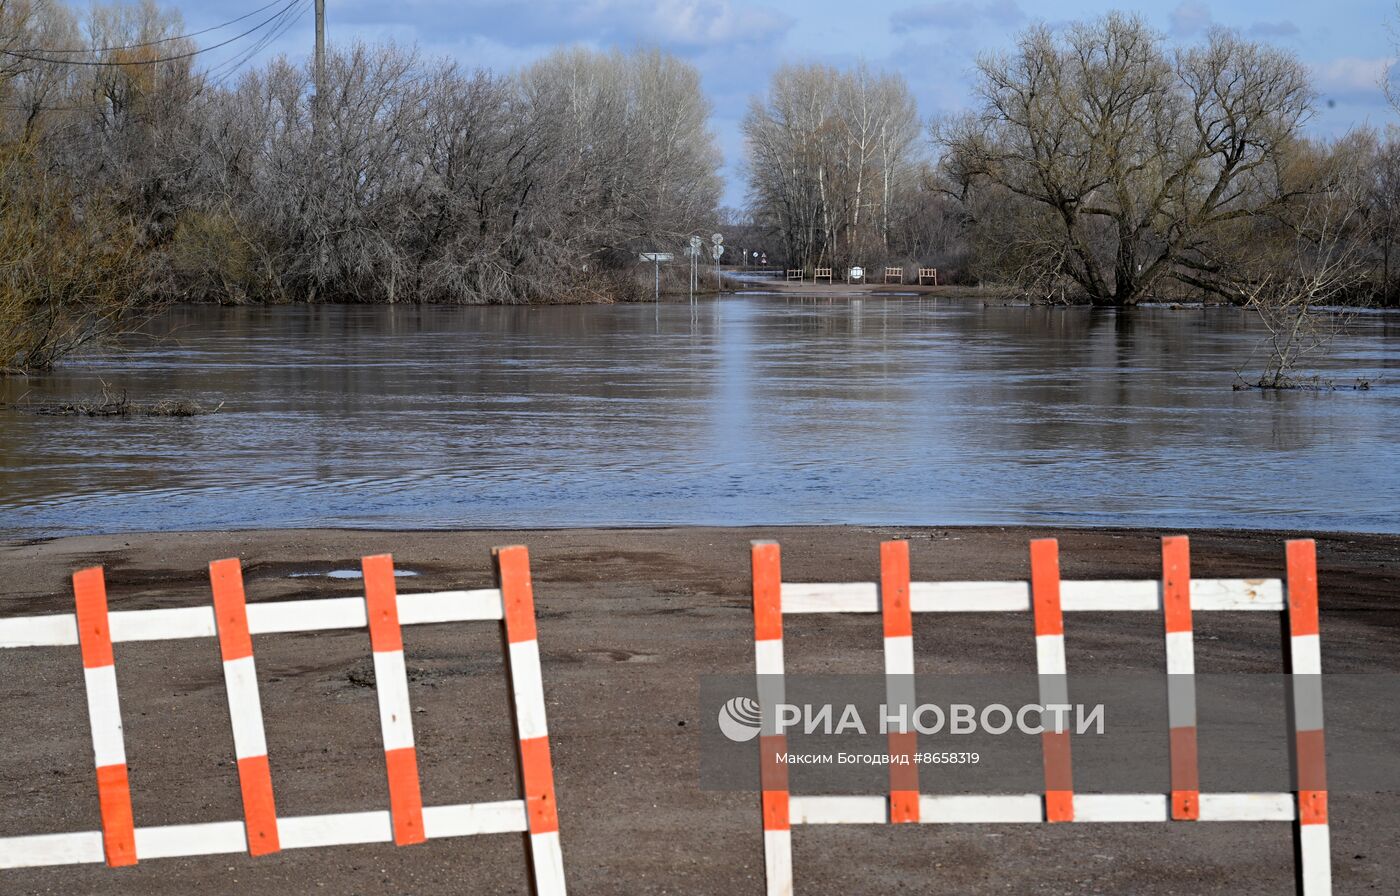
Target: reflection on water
(755, 410)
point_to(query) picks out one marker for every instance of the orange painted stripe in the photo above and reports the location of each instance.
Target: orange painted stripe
(1312, 807)
(405, 798)
(904, 779)
(230, 609)
(94, 634)
(894, 589)
(1059, 805)
(1176, 583)
(1311, 752)
(904, 807)
(259, 808)
(772, 774)
(382, 604)
(118, 824)
(1045, 587)
(1302, 587)
(777, 811)
(1059, 776)
(767, 592)
(537, 773)
(1185, 772)
(517, 592)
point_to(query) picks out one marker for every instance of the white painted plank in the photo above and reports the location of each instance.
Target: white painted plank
(547, 862)
(838, 810)
(51, 849)
(992, 809)
(60, 630)
(843, 597)
(1247, 807)
(172, 841)
(1120, 807)
(969, 597)
(527, 688)
(451, 606)
(474, 818)
(167, 624)
(310, 831)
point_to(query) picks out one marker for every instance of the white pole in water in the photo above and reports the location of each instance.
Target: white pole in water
(657, 265)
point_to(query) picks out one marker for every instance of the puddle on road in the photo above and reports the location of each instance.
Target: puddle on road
(346, 574)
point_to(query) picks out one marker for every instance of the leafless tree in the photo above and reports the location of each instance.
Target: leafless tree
(832, 160)
(1140, 155)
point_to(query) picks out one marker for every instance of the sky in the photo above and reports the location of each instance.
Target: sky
(737, 45)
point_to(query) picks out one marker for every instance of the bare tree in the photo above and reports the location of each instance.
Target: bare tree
(831, 159)
(1140, 155)
(1320, 257)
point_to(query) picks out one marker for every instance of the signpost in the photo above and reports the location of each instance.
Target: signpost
(657, 259)
(694, 253)
(717, 252)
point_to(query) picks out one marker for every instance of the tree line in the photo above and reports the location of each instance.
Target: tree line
(1096, 162)
(128, 177)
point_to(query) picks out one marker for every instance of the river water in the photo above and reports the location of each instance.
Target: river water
(749, 410)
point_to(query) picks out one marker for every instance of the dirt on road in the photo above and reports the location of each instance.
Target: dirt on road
(629, 620)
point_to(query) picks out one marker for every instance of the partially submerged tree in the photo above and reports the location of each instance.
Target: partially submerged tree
(1314, 256)
(1134, 158)
(71, 267)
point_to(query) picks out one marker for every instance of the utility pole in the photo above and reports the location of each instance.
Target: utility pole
(320, 64)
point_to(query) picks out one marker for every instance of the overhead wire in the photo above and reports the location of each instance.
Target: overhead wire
(152, 43)
(175, 58)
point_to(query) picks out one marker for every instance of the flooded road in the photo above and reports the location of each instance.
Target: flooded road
(754, 410)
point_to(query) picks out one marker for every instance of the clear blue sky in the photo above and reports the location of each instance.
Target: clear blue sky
(736, 45)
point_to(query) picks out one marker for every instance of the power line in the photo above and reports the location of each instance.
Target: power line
(176, 58)
(230, 66)
(152, 43)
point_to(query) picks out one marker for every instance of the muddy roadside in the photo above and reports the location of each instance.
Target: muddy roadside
(629, 622)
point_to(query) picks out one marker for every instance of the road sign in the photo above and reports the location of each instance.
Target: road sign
(717, 250)
(695, 242)
(857, 272)
(657, 257)
(716, 238)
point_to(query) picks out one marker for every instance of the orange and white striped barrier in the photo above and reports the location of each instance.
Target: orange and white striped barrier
(1048, 598)
(234, 623)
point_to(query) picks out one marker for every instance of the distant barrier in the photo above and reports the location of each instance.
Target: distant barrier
(234, 623)
(895, 275)
(1048, 598)
(930, 274)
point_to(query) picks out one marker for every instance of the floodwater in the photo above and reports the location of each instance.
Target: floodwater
(748, 410)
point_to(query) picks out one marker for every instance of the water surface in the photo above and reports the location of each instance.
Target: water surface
(752, 410)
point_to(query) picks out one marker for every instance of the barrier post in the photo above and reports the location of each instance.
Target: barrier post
(899, 680)
(244, 707)
(1303, 663)
(395, 711)
(105, 717)
(1050, 667)
(766, 565)
(526, 686)
(1181, 679)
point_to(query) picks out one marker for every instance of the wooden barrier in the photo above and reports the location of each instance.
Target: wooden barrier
(819, 273)
(234, 623)
(896, 273)
(795, 274)
(930, 274)
(1048, 598)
